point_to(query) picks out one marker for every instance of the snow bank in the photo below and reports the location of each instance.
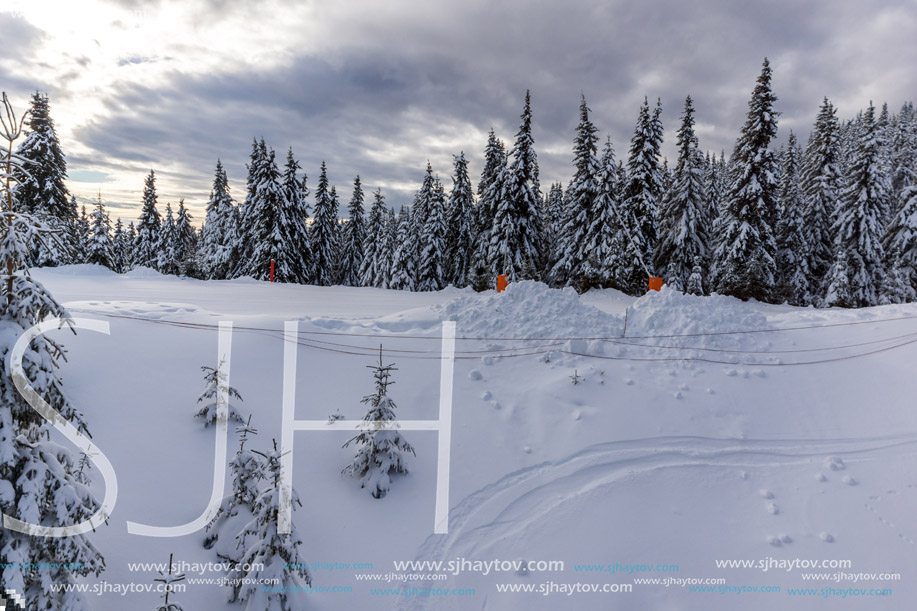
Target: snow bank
(529, 310)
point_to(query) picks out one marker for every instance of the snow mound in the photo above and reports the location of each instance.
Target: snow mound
(529, 310)
(143, 272)
(667, 313)
(79, 269)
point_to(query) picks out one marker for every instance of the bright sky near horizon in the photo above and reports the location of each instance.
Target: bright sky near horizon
(378, 88)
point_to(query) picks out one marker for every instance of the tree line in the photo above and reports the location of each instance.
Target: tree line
(828, 224)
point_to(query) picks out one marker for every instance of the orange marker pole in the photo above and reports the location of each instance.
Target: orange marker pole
(501, 283)
(655, 283)
(272, 270)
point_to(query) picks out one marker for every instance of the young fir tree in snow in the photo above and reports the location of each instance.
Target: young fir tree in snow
(294, 215)
(820, 184)
(460, 225)
(696, 279)
(900, 245)
(323, 234)
(793, 274)
(744, 263)
(858, 228)
(38, 477)
(373, 242)
(517, 236)
(248, 470)
(214, 381)
(354, 237)
(643, 190)
(266, 554)
(99, 249)
(682, 220)
(403, 274)
(219, 233)
(430, 268)
(147, 243)
(168, 579)
(41, 190)
(581, 196)
(380, 445)
(120, 248)
(168, 261)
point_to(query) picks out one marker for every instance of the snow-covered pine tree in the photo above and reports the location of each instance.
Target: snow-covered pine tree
(682, 220)
(149, 224)
(168, 261)
(219, 233)
(820, 184)
(268, 555)
(294, 215)
(213, 382)
(793, 274)
(82, 233)
(248, 469)
(580, 203)
(858, 228)
(744, 263)
(490, 192)
(100, 250)
(386, 258)
(120, 248)
(41, 190)
(642, 193)
(517, 237)
(373, 242)
(900, 245)
(403, 272)
(187, 242)
(554, 220)
(246, 219)
(264, 229)
(354, 237)
(380, 445)
(131, 237)
(431, 275)
(38, 476)
(323, 236)
(460, 225)
(604, 250)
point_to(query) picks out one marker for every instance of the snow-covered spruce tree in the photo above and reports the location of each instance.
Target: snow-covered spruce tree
(642, 193)
(131, 236)
(294, 215)
(38, 477)
(219, 233)
(554, 213)
(581, 195)
(793, 274)
(460, 225)
(41, 190)
(213, 382)
(247, 469)
(490, 192)
(267, 554)
(604, 251)
(820, 184)
(682, 220)
(517, 237)
(120, 248)
(858, 228)
(403, 275)
(902, 146)
(744, 263)
(380, 445)
(100, 249)
(246, 219)
(168, 262)
(186, 243)
(900, 245)
(386, 258)
(354, 237)
(430, 269)
(373, 242)
(323, 234)
(147, 242)
(696, 279)
(82, 233)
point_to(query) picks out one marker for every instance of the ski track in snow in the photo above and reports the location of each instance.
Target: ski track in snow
(512, 504)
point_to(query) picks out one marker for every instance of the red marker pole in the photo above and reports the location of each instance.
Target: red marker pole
(272, 270)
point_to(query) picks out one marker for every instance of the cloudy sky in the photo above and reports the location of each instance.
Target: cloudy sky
(377, 88)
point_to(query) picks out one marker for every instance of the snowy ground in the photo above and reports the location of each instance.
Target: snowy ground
(795, 441)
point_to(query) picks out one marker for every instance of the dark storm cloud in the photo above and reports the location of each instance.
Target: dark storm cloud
(401, 86)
